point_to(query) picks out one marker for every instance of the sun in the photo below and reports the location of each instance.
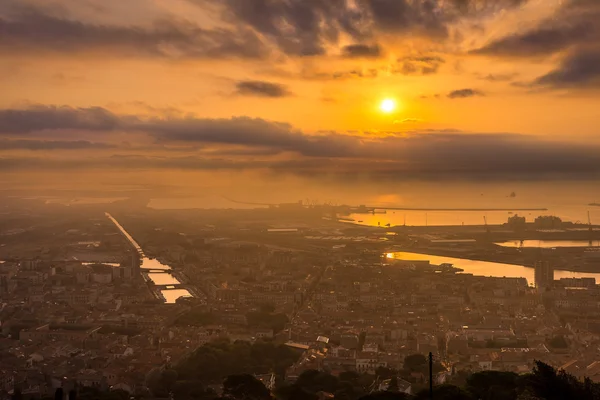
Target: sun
(388, 106)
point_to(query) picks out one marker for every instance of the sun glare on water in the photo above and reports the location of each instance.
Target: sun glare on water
(388, 106)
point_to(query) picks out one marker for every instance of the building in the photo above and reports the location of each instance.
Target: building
(46, 333)
(543, 274)
(578, 282)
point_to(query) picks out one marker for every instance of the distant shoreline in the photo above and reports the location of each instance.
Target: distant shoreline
(457, 209)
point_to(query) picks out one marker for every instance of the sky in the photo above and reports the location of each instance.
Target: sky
(229, 92)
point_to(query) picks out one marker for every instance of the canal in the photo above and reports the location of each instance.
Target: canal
(156, 271)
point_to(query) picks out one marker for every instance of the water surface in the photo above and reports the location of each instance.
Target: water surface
(486, 268)
(171, 295)
(550, 244)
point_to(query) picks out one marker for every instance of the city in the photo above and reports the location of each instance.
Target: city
(109, 300)
(299, 200)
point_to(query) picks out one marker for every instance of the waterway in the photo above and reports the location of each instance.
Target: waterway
(158, 272)
(453, 218)
(485, 268)
(549, 244)
(163, 278)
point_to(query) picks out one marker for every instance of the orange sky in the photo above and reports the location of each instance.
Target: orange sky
(169, 76)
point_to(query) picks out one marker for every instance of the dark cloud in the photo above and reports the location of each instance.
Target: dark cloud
(575, 23)
(543, 41)
(262, 89)
(309, 27)
(499, 77)
(580, 69)
(6, 144)
(32, 30)
(418, 155)
(362, 51)
(422, 65)
(400, 16)
(297, 27)
(48, 117)
(429, 18)
(464, 93)
(248, 29)
(573, 32)
(357, 73)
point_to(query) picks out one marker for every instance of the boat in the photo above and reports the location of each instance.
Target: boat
(594, 204)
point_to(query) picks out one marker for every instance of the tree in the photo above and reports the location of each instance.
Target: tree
(295, 392)
(267, 307)
(393, 386)
(189, 390)
(349, 376)
(386, 396)
(559, 342)
(168, 377)
(260, 319)
(315, 381)
(347, 391)
(385, 373)
(415, 363)
(245, 387)
(493, 384)
(18, 395)
(227, 358)
(546, 383)
(445, 392)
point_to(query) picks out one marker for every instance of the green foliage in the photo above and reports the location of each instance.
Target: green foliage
(493, 385)
(349, 376)
(348, 391)
(386, 396)
(260, 319)
(385, 373)
(267, 308)
(245, 387)
(393, 387)
(215, 361)
(316, 381)
(168, 377)
(445, 392)
(415, 363)
(311, 382)
(92, 393)
(547, 383)
(559, 342)
(294, 392)
(184, 390)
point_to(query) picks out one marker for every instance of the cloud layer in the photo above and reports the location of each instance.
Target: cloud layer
(257, 144)
(30, 30)
(573, 34)
(262, 89)
(246, 29)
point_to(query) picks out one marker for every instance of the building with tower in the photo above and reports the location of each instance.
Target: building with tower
(543, 275)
